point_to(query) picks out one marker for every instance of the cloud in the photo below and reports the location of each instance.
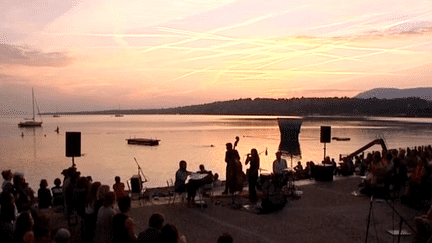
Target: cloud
(20, 55)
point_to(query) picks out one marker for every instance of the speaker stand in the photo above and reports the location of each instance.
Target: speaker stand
(324, 151)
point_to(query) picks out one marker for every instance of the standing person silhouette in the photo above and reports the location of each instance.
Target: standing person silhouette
(254, 160)
(231, 158)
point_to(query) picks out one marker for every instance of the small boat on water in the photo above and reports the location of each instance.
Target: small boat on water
(143, 141)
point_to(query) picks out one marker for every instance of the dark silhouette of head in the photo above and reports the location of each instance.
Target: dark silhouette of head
(225, 238)
(124, 204)
(57, 182)
(156, 221)
(182, 165)
(229, 146)
(169, 234)
(43, 184)
(7, 175)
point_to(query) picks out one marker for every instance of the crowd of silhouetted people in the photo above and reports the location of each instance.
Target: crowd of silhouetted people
(24, 218)
(404, 173)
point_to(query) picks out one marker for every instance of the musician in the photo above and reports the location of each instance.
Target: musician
(194, 184)
(231, 158)
(181, 176)
(280, 169)
(254, 160)
(279, 165)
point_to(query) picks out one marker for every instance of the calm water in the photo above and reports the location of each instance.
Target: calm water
(40, 153)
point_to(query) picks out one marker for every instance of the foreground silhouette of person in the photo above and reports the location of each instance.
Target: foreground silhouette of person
(62, 236)
(225, 238)
(25, 194)
(57, 194)
(170, 234)
(7, 216)
(7, 183)
(151, 234)
(104, 223)
(44, 195)
(123, 224)
(24, 228)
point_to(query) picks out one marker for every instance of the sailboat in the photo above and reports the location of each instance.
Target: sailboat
(31, 122)
(118, 114)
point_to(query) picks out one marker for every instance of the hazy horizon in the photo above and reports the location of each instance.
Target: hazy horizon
(109, 54)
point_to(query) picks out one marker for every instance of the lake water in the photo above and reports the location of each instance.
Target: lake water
(198, 139)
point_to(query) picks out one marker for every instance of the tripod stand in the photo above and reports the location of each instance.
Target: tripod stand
(402, 220)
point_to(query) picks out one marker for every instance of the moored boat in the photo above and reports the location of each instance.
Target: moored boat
(31, 122)
(143, 141)
(341, 139)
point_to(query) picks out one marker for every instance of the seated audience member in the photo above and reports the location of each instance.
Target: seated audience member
(299, 172)
(400, 174)
(346, 167)
(62, 236)
(309, 170)
(7, 216)
(225, 238)
(57, 194)
(418, 188)
(423, 225)
(123, 224)
(42, 233)
(151, 234)
(44, 195)
(104, 223)
(24, 228)
(180, 177)
(170, 234)
(328, 161)
(119, 188)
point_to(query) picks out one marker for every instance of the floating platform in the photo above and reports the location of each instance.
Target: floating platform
(143, 141)
(341, 139)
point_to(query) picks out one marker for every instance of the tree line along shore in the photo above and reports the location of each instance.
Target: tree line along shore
(400, 107)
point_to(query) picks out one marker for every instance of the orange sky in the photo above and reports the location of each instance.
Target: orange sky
(99, 54)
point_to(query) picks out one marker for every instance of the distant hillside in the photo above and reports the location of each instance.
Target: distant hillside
(390, 93)
(297, 107)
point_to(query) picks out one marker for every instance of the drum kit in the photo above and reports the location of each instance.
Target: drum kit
(276, 184)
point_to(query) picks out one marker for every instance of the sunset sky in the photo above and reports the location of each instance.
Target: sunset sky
(133, 54)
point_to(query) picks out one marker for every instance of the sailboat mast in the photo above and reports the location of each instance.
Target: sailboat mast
(33, 104)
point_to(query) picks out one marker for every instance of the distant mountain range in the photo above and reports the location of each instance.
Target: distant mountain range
(391, 93)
